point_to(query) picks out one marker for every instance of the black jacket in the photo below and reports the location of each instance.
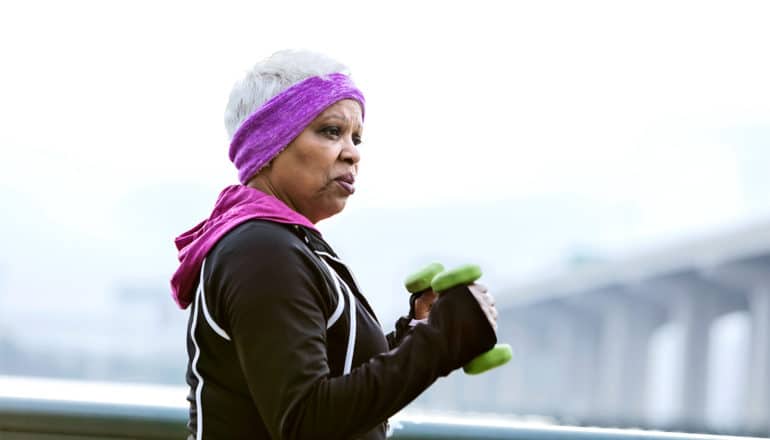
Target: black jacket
(275, 352)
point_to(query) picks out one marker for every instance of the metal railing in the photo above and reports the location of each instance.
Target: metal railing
(32, 419)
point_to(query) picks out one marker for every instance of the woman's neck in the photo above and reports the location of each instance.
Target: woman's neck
(262, 183)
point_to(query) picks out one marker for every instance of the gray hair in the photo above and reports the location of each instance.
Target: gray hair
(272, 76)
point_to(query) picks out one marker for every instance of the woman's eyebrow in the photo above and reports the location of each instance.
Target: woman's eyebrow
(336, 116)
(341, 117)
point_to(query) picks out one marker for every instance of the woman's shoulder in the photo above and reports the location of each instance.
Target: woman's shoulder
(259, 250)
(259, 236)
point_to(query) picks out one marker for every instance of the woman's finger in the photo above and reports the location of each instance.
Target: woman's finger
(423, 304)
(486, 302)
(481, 287)
(492, 312)
(492, 322)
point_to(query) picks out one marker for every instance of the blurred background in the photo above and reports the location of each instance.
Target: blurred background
(606, 163)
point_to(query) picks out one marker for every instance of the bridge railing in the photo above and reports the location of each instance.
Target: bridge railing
(39, 419)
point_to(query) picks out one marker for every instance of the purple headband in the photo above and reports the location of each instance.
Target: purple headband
(277, 122)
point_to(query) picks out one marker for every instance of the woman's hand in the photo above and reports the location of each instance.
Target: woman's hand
(486, 302)
(423, 304)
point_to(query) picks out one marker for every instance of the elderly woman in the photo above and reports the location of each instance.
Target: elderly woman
(282, 342)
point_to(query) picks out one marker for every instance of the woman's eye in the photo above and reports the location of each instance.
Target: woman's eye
(332, 131)
(356, 140)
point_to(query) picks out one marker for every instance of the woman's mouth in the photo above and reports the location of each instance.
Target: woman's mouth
(347, 183)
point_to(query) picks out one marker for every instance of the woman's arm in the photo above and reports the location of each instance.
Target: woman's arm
(274, 307)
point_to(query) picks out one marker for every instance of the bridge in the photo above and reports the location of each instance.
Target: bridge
(642, 341)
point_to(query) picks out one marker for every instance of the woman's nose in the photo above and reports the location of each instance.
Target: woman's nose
(350, 153)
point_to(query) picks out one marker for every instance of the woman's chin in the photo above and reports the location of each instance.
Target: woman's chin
(339, 206)
(330, 210)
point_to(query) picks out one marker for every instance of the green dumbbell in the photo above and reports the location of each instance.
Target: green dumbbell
(419, 282)
(435, 278)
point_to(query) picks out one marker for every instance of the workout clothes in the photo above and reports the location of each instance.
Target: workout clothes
(282, 344)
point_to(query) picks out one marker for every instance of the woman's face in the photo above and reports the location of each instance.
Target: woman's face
(316, 172)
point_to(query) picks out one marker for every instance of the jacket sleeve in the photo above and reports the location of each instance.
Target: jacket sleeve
(274, 307)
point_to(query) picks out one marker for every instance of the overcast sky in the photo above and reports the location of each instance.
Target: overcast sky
(471, 100)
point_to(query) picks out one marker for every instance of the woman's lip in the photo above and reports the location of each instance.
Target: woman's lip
(349, 178)
(349, 188)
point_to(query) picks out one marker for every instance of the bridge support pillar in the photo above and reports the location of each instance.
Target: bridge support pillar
(624, 344)
(572, 341)
(580, 366)
(754, 280)
(758, 392)
(695, 312)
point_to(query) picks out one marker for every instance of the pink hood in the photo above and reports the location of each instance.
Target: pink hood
(235, 205)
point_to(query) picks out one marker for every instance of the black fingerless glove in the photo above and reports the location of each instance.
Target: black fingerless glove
(402, 330)
(402, 324)
(467, 333)
(412, 299)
